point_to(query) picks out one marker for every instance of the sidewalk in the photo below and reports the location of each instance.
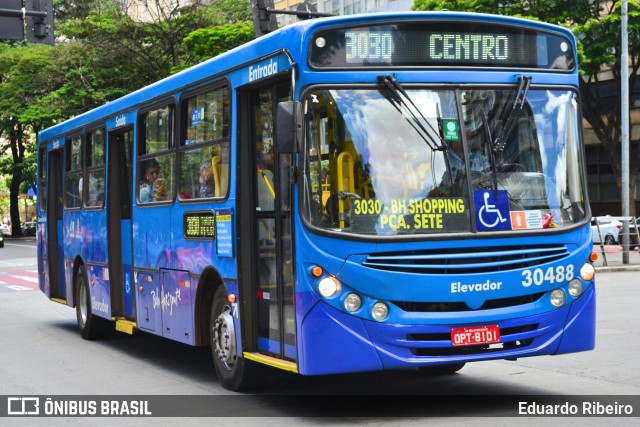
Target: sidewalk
(613, 254)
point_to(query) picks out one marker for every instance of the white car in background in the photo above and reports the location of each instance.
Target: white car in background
(4, 229)
(606, 230)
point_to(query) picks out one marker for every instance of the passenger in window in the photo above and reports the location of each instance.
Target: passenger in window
(206, 180)
(149, 184)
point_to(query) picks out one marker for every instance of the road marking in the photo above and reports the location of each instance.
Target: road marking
(19, 280)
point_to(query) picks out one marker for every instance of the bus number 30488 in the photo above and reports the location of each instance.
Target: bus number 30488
(540, 276)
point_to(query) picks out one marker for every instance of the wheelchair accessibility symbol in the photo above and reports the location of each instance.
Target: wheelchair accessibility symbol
(492, 213)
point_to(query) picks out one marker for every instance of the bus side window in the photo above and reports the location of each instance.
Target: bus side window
(73, 177)
(95, 164)
(203, 172)
(204, 164)
(156, 167)
(157, 182)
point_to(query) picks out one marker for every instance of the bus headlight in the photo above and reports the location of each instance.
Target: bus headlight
(575, 288)
(352, 302)
(380, 311)
(558, 297)
(329, 286)
(587, 272)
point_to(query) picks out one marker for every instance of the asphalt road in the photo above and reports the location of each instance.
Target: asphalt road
(42, 354)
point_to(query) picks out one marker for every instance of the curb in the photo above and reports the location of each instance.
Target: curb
(617, 268)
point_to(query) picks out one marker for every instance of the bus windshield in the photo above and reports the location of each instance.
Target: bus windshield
(395, 161)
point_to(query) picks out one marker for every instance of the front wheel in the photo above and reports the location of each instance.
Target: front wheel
(235, 372)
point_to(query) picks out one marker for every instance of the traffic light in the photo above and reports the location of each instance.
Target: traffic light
(39, 28)
(11, 24)
(264, 21)
(35, 17)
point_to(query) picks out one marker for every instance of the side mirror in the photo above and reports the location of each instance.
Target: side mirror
(289, 126)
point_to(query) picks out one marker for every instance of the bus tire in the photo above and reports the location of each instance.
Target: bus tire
(90, 326)
(442, 369)
(235, 372)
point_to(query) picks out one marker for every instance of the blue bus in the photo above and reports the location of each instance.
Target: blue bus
(349, 194)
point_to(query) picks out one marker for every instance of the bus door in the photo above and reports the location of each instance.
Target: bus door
(266, 277)
(54, 268)
(119, 240)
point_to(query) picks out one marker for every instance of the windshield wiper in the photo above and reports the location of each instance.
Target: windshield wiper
(492, 155)
(521, 96)
(405, 105)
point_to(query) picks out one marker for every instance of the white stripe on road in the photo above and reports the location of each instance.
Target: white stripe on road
(25, 278)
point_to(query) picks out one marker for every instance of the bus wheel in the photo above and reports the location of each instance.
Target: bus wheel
(442, 369)
(89, 325)
(234, 371)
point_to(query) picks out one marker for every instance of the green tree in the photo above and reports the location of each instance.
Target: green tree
(596, 25)
(228, 24)
(601, 42)
(209, 42)
(24, 74)
(101, 54)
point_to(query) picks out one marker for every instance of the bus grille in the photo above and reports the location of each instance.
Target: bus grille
(466, 260)
(445, 307)
(440, 344)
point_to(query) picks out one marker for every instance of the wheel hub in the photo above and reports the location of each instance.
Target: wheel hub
(224, 338)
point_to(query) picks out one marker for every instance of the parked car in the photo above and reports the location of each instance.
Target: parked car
(634, 226)
(5, 230)
(1, 241)
(29, 228)
(606, 230)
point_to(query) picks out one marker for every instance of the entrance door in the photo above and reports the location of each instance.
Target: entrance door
(119, 183)
(55, 251)
(270, 250)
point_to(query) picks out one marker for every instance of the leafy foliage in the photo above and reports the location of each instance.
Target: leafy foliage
(209, 42)
(100, 54)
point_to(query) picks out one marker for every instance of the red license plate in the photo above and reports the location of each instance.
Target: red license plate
(474, 335)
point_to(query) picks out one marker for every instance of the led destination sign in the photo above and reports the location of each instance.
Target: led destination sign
(378, 46)
(454, 44)
(199, 225)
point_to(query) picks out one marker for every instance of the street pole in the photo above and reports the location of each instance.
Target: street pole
(624, 151)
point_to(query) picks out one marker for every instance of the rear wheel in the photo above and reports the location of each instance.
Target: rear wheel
(442, 369)
(90, 326)
(609, 240)
(235, 372)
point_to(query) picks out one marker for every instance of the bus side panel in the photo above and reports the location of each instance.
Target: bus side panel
(177, 306)
(148, 303)
(68, 282)
(127, 267)
(60, 248)
(43, 265)
(93, 236)
(98, 277)
(579, 333)
(72, 242)
(334, 342)
(45, 283)
(152, 238)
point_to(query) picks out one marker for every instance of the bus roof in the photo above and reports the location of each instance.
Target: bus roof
(279, 40)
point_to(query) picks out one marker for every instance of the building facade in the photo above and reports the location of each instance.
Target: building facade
(156, 10)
